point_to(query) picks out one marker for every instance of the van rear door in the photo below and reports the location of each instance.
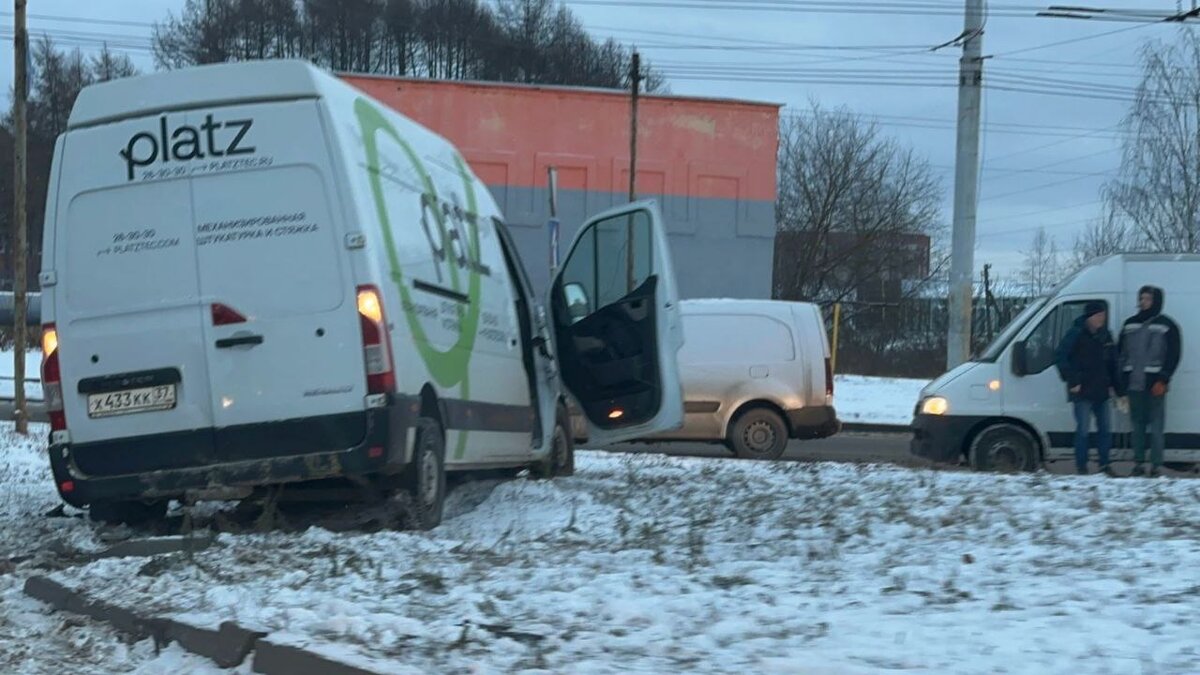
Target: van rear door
(127, 297)
(617, 325)
(281, 329)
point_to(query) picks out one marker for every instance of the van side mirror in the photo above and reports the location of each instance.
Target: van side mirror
(578, 303)
(1019, 359)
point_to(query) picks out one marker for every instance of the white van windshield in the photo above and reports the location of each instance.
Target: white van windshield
(993, 351)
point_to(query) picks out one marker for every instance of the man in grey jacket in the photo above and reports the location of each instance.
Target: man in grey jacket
(1150, 349)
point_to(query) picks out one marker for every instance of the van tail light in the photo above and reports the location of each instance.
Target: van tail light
(377, 347)
(52, 379)
(828, 377)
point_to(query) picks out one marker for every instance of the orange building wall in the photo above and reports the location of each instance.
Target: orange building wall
(510, 134)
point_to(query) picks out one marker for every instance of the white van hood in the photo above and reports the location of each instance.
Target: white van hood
(948, 377)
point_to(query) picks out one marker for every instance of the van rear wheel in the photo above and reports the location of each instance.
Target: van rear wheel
(1004, 448)
(425, 478)
(758, 433)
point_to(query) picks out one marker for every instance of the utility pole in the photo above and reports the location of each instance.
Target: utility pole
(966, 186)
(20, 330)
(635, 83)
(987, 301)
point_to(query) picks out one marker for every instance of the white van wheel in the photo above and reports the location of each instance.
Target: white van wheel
(425, 478)
(759, 433)
(1004, 448)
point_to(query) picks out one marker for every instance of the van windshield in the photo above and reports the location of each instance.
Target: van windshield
(993, 351)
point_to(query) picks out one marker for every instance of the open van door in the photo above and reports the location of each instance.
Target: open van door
(616, 325)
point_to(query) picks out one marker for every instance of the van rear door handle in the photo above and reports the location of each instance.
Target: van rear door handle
(239, 341)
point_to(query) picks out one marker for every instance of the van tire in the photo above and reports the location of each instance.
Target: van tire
(560, 463)
(1004, 448)
(425, 478)
(127, 513)
(758, 433)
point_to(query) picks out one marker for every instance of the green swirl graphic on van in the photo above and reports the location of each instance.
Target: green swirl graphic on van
(448, 368)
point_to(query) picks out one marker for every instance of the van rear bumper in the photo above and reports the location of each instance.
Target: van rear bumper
(383, 445)
(941, 438)
(814, 422)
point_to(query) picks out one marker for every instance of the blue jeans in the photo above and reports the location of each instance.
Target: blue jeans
(1084, 411)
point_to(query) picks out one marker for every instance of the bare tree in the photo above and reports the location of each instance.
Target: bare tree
(1040, 270)
(848, 204)
(109, 65)
(1157, 194)
(1104, 236)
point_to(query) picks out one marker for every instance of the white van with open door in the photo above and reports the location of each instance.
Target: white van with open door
(1007, 409)
(256, 275)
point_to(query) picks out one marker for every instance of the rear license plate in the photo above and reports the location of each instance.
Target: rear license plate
(130, 401)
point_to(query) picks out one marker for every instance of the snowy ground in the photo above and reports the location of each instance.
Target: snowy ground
(876, 400)
(655, 564)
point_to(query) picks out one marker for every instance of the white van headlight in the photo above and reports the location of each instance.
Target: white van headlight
(935, 405)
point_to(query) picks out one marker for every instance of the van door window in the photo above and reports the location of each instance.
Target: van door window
(1042, 343)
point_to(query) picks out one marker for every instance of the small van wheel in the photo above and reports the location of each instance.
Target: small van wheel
(127, 513)
(425, 478)
(1004, 448)
(759, 433)
(561, 461)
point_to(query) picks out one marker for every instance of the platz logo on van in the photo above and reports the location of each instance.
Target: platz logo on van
(185, 143)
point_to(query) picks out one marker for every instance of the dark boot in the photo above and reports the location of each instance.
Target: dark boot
(1138, 471)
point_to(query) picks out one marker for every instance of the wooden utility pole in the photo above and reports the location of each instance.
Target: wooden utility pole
(20, 248)
(635, 83)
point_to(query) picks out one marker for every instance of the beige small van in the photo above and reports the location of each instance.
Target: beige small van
(755, 374)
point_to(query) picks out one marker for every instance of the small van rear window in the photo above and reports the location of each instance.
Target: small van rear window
(735, 338)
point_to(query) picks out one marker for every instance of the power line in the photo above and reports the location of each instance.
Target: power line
(1060, 43)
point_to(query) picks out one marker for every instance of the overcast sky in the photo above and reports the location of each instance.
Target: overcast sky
(1045, 155)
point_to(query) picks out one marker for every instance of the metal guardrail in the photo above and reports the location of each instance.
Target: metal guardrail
(37, 408)
(33, 316)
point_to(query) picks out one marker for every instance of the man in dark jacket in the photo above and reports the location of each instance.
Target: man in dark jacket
(1149, 354)
(1087, 362)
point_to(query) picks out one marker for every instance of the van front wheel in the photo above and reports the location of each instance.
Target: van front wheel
(425, 477)
(561, 460)
(758, 433)
(1004, 448)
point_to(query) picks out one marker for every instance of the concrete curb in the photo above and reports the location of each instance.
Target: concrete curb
(276, 658)
(144, 548)
(228, 646)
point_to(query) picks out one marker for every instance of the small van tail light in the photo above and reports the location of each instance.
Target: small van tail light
(828, 377)
(52, 379)
(377, 348)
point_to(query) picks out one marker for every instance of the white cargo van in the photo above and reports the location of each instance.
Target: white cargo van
(255, 275)
(755, 373)
(1008, 409)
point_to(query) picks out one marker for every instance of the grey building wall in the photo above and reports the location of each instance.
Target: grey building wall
(721, 248)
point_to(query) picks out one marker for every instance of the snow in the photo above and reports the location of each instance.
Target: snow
(645, 563)
(876, 400)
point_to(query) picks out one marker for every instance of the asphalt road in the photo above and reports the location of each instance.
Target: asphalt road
(889, 448)
(856, 447)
